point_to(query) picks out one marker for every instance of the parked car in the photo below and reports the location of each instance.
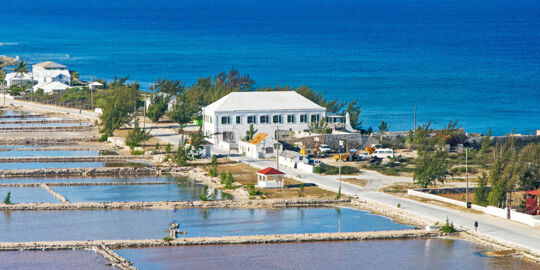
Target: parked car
(383, 153)
(324, 148)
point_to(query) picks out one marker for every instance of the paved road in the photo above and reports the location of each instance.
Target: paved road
(493, 227)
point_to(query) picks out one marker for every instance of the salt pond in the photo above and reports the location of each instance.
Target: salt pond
(16, 226)
(28, 194)
(52, 260)
(183, 191)
(396, 254)
(49, 165)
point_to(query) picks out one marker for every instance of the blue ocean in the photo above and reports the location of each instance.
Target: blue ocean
(478, 61)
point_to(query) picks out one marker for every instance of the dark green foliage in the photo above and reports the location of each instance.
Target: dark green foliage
(503, 174)
(170, 87)
(204, 195)
(420, 138)
(230, 181)
(158, 107)
(213, 167)
(319, 127)
(448, 227)
(137, 135)
(252, 191)
(168, 148)
(21, 68)
(338, 195)
(250, 133)
(384, 127)
(223, 178)
(301, 190)
(481, 192)
(118, 108)
(167, 239)
(189, 151)
(431, 167)
(7, 199)
(486, 143)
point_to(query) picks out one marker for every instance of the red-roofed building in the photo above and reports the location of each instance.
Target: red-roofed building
(270, 178)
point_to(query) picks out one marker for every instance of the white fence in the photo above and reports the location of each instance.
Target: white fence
(533, 221)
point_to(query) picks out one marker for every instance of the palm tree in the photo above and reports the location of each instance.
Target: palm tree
(75, 77)
(21, 68)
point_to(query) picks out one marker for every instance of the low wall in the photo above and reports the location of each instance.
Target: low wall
(46, 141)
(305, 167)
(252, 204)
(224, 240)
(71, 159)
(533, 221)
(52, 129)
(84, 172)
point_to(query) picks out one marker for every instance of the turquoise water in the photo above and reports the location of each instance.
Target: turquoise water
(144, 224)
(476, 60)
(183, 191)
(399, 254)
(28, 195)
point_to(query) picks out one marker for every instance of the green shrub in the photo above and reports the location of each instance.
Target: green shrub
(157, 146)
(252, 192)
(223, 178)
(448, 227)
(317, 169)
(7, 199)
(331, 170)
(103, 138)
(167, 239)
(229, 182)
(137, 152)
(204, 195)
(301, 190)
(168, 148)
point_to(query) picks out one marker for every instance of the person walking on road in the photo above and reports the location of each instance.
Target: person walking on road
(476, 226)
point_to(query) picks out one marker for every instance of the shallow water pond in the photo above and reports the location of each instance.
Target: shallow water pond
(49, 153)
(49, 165)
(396, 254)
(28, 195)
(144, 224)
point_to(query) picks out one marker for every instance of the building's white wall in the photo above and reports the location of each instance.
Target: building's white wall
(305, 167)
(239, 130)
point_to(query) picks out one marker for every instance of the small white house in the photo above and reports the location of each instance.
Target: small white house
(261, 146)
(14, 78)
(48, 72)
(270, 178)
(94, 85)
(295, 160)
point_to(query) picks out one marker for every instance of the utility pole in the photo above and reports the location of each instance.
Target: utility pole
(467, 174)
(92, 92)
(144, 113)
(277, 148)
(339, 172)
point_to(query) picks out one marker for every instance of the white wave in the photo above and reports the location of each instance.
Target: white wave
(8, 43)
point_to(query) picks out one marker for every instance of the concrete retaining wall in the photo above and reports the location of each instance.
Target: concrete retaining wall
(533, 221)
(71, 159)
(84, 172)
(225, 240)
(252, 204)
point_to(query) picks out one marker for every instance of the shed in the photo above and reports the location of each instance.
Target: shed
(270, 178)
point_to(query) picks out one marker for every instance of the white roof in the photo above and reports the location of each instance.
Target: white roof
(15, 75)
(54, 86)
(263, 101)
(55, 72)
(50, 64)
(95, 84)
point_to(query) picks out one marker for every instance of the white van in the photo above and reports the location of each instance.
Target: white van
(383, 153)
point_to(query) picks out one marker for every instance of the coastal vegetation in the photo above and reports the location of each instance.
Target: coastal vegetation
(137, 135)
(7, 199)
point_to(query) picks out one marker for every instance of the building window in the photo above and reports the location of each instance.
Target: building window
(238, 119)
(303, 118)
(290, 118)
(225, 120)
(315, 118)
(263, 119)
(251, 119)
(276, 119)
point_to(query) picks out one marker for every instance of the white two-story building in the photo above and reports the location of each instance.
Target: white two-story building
(48, 72)
(228, 119)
